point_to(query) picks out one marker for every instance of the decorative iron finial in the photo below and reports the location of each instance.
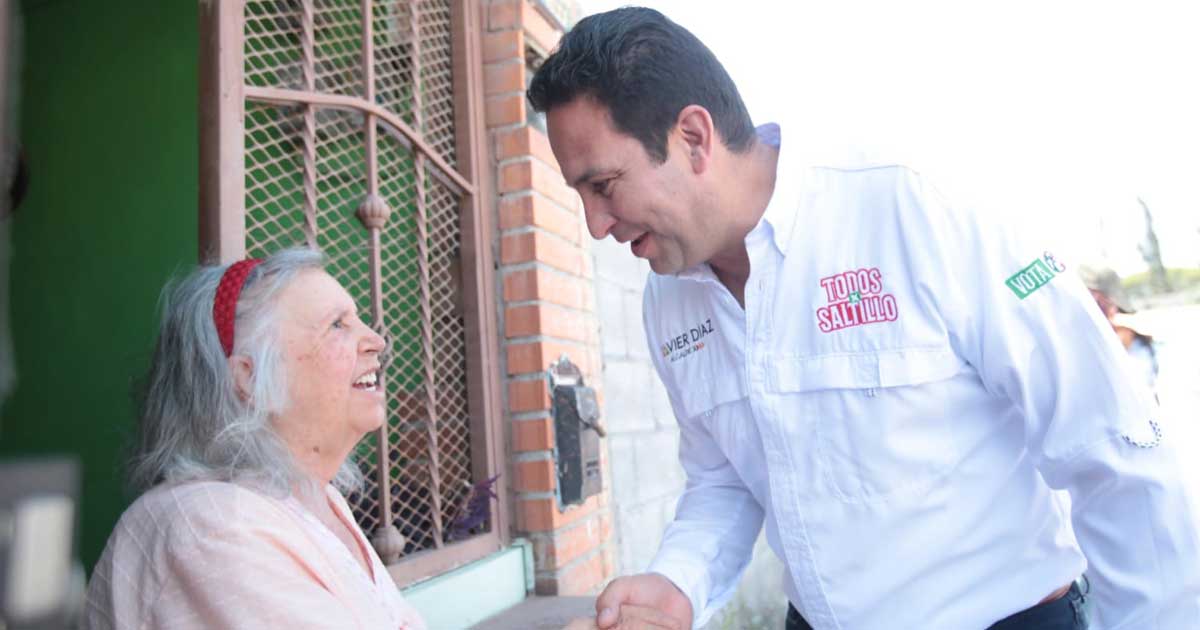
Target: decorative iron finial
(373, 212)
(388, 543)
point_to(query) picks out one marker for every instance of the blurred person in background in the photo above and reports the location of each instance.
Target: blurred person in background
(1111, 297)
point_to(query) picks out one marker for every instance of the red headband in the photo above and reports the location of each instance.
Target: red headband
(225, 302)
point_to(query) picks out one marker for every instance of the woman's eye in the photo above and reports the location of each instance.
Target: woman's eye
(603, 188)
(339, 323)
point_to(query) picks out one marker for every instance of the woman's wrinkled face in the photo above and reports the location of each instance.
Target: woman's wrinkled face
(331, 361)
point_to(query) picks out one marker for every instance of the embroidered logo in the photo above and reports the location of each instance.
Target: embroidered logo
(687, 342)
(855, 298)
(1035, 275)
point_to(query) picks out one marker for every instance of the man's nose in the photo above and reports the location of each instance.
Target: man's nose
(599, 221)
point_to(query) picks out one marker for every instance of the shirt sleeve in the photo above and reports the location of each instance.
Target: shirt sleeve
(708, 545)
(1024, 320)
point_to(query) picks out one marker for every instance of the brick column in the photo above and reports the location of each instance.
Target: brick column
(548, 307)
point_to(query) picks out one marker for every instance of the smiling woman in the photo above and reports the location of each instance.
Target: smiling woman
(263, 380)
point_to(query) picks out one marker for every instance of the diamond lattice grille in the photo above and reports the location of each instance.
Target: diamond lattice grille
(307, 171)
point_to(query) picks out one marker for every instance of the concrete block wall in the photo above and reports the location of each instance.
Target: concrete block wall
(643, 438)
(547, 306)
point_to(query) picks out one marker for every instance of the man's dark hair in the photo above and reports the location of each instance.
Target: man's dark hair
(645, 69)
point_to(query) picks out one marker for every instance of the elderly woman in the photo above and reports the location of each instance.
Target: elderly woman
(262, 382)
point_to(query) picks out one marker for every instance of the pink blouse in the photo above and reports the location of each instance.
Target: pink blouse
(208, 554)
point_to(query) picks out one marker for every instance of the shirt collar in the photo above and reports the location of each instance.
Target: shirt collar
(780, 215)
(699, 273)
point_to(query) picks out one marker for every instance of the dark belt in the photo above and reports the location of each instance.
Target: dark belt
(1064, 613)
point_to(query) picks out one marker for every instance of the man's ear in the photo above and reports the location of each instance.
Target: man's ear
(695, 128)
(242, 369)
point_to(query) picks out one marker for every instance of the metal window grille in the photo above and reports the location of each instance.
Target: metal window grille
(352, 125)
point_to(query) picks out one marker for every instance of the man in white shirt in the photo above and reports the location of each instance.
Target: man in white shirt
(896, 387)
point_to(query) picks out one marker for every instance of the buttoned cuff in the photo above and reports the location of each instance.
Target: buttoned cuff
(689, 576)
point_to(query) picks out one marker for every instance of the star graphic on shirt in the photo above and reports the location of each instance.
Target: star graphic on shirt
(855, 297)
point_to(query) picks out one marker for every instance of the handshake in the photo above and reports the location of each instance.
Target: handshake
(647, 601)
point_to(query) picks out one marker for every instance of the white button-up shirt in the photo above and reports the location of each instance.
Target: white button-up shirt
(903, 393)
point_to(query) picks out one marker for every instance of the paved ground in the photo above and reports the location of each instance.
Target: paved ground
(540, 613)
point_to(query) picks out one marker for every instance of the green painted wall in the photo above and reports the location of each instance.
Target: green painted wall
(108, 120)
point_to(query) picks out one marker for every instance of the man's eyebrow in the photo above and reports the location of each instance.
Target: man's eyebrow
(588, 174)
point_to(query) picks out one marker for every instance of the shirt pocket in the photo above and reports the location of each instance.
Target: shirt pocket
(879, 427)
(702, 391)
(718, 407)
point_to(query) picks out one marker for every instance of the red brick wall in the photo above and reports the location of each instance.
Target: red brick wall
(547, 306)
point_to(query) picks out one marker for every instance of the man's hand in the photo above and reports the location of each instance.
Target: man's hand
(646, 600)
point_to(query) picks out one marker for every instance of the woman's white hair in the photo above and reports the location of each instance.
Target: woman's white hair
(192, 424)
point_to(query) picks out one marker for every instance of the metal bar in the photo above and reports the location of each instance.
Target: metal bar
(437, 174)
(435, 482)
(488, 454)
(222, 126)
(8, 153)
(431, 425)
(308, 63)
(457, 183)
(383, 461)
(383, 444)
(369, 128)
(414, 22)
